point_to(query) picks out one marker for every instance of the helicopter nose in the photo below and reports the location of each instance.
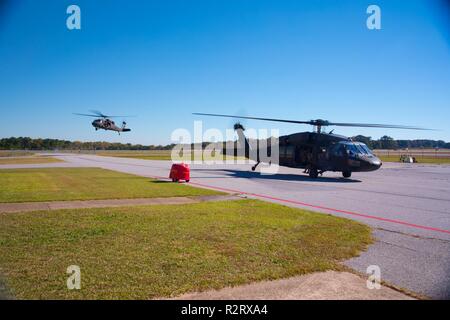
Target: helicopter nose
(375, 164)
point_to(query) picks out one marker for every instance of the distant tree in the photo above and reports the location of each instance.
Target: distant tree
(363, 139)
(388, 143)
(403, 144)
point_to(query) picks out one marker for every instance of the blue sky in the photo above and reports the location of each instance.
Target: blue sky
(163, 60)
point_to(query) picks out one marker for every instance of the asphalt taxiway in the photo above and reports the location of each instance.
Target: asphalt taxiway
(407, 205)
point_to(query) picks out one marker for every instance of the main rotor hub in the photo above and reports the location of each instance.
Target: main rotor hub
(319, 123)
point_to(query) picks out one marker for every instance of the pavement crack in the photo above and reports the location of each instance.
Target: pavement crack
(396, 245)
(413, 235)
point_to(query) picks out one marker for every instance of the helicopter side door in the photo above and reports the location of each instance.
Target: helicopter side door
(338, 157)
(303, 156)
(287, 155)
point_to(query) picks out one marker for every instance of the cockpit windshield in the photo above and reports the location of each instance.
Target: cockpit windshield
(366, 148)
(357, 148)
(351, 148)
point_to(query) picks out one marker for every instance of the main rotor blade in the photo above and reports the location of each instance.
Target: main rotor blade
(376, 125)
(320, 122)
(86, 115)
(253, 118)
(120, 116)
(101, 115)
(98, 113)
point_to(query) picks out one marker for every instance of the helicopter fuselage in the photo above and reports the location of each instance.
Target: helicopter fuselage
(325, 152)
(317, 153)
(108, 124)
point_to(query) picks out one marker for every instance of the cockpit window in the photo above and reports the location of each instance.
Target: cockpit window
(357, 148)
(351, 148)
(361, 149)
(366, 148)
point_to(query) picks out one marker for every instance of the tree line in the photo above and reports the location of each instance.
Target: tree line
(26, 143)
(386, 142)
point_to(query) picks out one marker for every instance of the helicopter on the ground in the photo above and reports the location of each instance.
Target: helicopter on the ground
(317, 152)
(104, 122)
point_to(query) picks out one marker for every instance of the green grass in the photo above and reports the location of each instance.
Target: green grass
(158, 155)
(166, 155)
(28, 160)
(433, 160)
(164, 251)
(15, 153)
(146, 155)
(51, 184)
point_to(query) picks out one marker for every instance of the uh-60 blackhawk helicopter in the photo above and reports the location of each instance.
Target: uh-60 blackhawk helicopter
(104, 122)
(317, 152)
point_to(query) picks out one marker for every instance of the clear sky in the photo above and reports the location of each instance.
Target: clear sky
(163, 60)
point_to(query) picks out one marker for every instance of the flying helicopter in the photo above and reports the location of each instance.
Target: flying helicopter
(317, 152)
(104, 122)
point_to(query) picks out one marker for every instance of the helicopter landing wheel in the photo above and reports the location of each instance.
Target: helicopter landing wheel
(346, 174)
(313, 173)
(254, 167)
